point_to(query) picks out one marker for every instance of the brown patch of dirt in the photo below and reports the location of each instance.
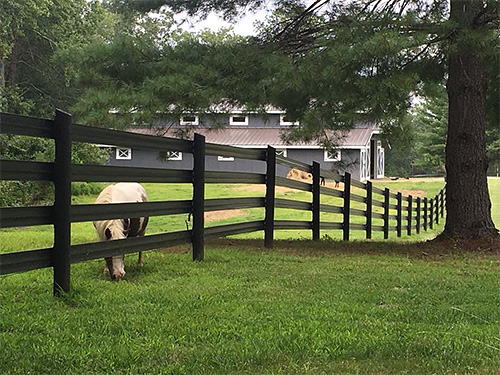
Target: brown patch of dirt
(413, 193)
(261, 188)
(281, 189)
(333, 185)
(226, 214)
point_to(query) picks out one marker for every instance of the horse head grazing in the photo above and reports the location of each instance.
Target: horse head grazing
(116, 229)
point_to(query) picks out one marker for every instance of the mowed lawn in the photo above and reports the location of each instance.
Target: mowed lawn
(303, 308)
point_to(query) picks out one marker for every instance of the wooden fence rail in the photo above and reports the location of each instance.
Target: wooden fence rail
(384, 211)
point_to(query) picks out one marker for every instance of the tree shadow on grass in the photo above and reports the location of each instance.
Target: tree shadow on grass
(427, 249)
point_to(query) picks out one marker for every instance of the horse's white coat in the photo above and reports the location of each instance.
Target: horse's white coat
(122, 192)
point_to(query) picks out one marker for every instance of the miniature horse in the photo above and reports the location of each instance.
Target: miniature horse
(123, 192)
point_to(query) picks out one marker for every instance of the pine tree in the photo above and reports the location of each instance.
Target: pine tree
(336, 62)
(430, 127)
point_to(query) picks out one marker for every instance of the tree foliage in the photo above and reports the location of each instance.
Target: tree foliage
(36, 39)
(36, 42)
(430, 126)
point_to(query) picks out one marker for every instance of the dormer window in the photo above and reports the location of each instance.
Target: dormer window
(238, 120)
(286, 121)
(189, 120)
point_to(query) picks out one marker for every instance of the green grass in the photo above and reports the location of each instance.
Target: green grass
(305, 308)
(18, 239)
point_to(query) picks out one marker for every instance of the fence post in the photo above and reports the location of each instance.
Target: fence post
(426, 211)
(316, 196)
(347, 205)
(436, 198)
(62, 203)
(410, 203)
(198, 230)
(431, 213)
(418, 215)
(270, 194)
(442, 202)
(399, 215)
(387, 195)
(369, 209)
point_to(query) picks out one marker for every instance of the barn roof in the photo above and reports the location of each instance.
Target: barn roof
(261, 137)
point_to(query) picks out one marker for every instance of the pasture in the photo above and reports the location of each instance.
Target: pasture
(329, 307)
(42, 236)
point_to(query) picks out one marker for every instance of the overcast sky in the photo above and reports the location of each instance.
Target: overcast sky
(243, 26)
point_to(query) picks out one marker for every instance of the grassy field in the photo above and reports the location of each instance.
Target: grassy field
(40, 237)
(304, 308)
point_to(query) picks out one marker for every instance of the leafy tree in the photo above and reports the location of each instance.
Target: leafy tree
(15, 193)
(36, 38)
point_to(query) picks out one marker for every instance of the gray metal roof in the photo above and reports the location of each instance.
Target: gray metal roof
(261, 137)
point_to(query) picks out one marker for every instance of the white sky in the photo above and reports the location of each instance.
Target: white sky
(242, 26)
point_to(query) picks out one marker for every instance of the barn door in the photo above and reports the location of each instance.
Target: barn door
(364, 165)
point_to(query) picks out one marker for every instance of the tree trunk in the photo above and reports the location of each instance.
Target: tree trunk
(468, 203)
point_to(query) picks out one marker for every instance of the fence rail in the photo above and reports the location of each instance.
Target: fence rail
(396, 213)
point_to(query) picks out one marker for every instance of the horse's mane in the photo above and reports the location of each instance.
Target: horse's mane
(123, 192)
(114, 225)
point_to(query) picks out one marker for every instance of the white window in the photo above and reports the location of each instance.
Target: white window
(238, 120)
(281, 152)
(173, 155)
(123, 153)
(332, 155)
(285, 120)
(380, 162)
(189, 120)
(225, 158)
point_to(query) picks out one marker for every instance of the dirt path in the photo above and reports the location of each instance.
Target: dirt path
(226, 214)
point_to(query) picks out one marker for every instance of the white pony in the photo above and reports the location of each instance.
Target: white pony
(123, 192)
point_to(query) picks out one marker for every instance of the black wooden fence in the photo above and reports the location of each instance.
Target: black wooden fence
(396, 212)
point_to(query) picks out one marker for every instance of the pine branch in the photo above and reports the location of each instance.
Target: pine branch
(425, 49)
(297, 20)
(485, 16)
(365, 8)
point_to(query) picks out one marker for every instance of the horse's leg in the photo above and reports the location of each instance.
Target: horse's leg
(139, 260)
(109, 267)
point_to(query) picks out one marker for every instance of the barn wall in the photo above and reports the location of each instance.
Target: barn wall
(150, 159)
